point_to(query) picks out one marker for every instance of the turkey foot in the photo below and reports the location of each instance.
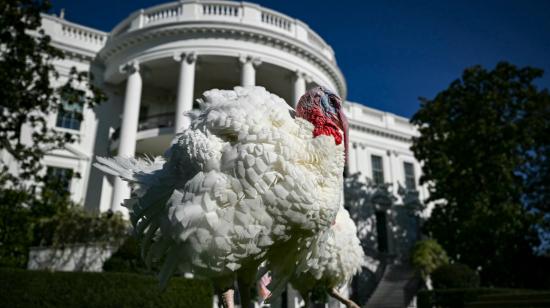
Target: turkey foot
(226, 298)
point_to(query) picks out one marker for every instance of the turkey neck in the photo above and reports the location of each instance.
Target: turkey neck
(321, 123)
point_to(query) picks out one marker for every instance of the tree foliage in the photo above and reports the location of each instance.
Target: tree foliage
(127, 259)
(427, 255)
(20, 211)
(50, 218)
(455, 276)
(31, 88)
(15, 231)
(484, 147)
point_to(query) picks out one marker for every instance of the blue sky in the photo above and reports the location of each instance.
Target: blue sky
(392, 52)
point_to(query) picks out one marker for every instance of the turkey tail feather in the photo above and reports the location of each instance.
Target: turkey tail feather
(117, 166)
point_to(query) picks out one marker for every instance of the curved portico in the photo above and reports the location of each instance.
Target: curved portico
(165, 57)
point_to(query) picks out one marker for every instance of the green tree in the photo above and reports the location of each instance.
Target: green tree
(15, 231)
(27, 78)
(480, 144)
(427, 255)
(455, 276)
(20, 212)
(30, 89)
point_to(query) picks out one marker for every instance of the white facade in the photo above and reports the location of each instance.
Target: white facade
(386, 135)
(155, 63)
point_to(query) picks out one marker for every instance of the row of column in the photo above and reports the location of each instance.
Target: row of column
(184, 103)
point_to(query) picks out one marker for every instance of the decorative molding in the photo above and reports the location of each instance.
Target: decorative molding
(124, 41)
(300, 74)
(256, 61)
(129, 68)
(189, 57)
(380, 132)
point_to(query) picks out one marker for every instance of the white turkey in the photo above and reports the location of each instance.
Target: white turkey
(245, 182)
(333, 257)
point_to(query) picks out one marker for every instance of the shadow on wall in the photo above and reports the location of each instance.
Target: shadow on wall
(387, 225)
(86, 258)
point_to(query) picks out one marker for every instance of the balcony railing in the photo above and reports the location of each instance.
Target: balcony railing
(75, 35)
(83, 34)
(242, 13)
(161, 120)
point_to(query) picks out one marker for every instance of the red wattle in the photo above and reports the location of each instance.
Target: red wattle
(328, 131)
(323, 125)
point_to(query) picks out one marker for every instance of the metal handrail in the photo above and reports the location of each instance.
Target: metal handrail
(160, 120)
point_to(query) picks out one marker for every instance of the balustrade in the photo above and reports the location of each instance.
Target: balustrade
(82, 34)
(278, 21)
(239, 13)
(162, 14)
(220, 10)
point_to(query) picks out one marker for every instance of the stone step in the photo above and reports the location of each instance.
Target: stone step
(390, 291)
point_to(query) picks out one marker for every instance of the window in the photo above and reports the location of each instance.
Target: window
(59, 178)
(377, 169)
(410, 179)
(69, 116)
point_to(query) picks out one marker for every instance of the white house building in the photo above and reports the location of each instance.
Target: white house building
(155, 63)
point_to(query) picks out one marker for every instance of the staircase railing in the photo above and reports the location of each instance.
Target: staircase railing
(411, 288)
(385, 260)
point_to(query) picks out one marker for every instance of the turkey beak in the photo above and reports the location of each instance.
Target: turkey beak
(345, 129)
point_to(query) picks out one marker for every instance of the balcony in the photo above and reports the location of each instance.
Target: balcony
(154, 135)
(226, 12)
(210, 28)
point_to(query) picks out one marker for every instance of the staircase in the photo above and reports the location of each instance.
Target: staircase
(395, 289)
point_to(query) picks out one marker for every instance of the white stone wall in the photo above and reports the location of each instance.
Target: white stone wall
(79, 46)
(375, 132)
(81, 258)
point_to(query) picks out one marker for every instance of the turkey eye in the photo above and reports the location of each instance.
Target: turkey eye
(334, 101)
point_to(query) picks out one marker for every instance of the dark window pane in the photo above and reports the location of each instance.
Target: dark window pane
(59, 178)
(70, 120)
(377, 169)
(381, 231)
(410, 178)
(69, 116)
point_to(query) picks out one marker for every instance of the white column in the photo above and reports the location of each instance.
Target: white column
(186, 85)
(395, 176)
(352, 159)
(128, 130)
(298, 87)
(363, 161)
(248, 70)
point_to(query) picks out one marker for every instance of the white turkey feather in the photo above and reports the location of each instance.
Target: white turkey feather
(333, 257)
(245, 177)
